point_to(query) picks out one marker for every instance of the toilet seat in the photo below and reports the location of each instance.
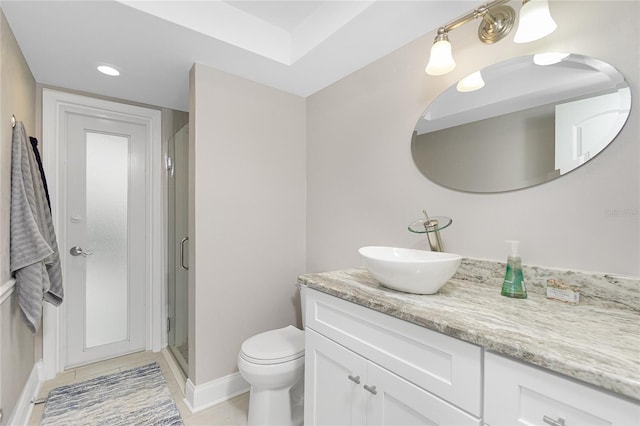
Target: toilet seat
(274, 346)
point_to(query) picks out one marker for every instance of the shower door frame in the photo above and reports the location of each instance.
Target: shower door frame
(177, 174)
(54, 106)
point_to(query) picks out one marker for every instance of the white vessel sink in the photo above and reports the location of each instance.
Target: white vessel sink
(408, 270)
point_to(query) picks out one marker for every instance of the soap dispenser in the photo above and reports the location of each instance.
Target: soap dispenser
(513, 285)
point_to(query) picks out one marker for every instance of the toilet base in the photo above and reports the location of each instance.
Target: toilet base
(269, 407)
(277, 382)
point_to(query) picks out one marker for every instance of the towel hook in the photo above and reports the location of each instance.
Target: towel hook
(13, 120)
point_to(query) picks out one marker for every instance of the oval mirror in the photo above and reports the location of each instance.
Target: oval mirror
(534, 119)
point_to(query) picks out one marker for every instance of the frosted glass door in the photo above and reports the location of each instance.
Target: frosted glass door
(107, 296)
(105, 271)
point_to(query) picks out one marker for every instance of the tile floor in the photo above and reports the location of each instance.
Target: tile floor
(229, 413)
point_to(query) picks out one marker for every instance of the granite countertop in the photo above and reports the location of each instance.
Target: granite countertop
(596, 341)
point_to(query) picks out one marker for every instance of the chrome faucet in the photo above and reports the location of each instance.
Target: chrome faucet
(431, 226)
(433, 232)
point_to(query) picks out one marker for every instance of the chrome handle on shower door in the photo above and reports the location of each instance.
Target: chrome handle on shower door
(184, 240)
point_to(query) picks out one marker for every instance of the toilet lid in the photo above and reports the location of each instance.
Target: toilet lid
(274, 346)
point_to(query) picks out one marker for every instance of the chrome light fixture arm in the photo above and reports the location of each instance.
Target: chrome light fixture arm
(497, 21)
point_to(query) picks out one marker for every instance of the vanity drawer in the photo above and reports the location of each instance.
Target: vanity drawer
(520, 394)
(442, 365)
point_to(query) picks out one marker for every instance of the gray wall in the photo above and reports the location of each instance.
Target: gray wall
(363, 187)
(17, 97)
(246, 215)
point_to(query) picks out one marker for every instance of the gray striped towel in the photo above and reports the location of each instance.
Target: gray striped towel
(34, 257)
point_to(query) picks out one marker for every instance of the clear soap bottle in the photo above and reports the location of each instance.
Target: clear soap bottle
(513, 285)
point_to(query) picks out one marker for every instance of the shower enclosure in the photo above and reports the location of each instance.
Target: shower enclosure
(178, 246)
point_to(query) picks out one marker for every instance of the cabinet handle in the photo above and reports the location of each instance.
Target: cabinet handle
(550, 421)
(355, 379)
(371, 389)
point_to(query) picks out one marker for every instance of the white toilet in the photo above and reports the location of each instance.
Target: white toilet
(273, 364)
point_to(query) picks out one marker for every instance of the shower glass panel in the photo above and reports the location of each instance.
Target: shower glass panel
(107, 283)
(178, 155)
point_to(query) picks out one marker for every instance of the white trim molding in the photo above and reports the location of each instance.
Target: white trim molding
(201, 397)
(181, 379)
(7, 289)
(54, 105)
(24, 407)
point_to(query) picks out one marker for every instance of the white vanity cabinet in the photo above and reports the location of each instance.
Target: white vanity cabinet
(520, 394)
(365, 367)
(333, 383)
(344, 389)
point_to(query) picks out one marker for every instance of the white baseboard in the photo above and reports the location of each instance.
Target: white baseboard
(22, 411)
(198, 398)
(178, 375)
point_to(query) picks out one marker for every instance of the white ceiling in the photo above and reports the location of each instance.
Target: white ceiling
(296, 46)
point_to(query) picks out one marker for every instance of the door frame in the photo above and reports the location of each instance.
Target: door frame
(54, 105)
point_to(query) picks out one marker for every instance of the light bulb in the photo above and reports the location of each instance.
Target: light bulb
(535, 21)
(441, 61)
(471, 82)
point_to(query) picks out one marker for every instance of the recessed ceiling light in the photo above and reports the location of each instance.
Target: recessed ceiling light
(106, 69)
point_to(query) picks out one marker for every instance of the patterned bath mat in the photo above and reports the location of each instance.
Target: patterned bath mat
(139, 396)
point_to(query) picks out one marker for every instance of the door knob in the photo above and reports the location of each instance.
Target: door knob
(77, 251)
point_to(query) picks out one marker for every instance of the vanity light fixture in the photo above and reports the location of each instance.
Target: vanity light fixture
(471, 82)
(497, 21)
(106, 69)
(441, 61)
(535, 21)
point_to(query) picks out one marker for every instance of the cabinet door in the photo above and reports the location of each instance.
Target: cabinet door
(395, 401)
(333, 383)
(440, 364)
(520, 394)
